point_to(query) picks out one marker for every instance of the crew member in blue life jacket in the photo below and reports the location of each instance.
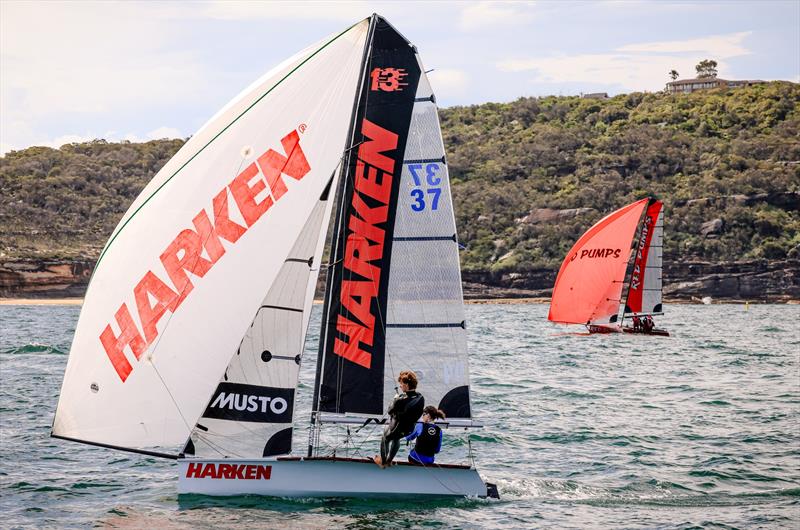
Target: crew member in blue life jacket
(428, 436)
(404, 412)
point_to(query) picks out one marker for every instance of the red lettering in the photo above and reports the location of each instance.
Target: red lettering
(380, 140)
(263, 472)
(209, 471)
(129, 336)
(274, 165)
(225, 471)
(189, 244)
(357, 296)
(150, 315)
(245, 195)
(193, 471)
(358, 252)
(250, 474)
(369, 184)
(238, 471)
(184, 253)
(364, 292)
(351, 350)
(223, 227)
(373, 216)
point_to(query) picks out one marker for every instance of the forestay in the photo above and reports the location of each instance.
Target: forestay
(183, 275)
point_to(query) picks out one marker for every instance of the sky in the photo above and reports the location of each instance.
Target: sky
(79, 70)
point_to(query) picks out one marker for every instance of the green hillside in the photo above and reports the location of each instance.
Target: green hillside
(730, 155)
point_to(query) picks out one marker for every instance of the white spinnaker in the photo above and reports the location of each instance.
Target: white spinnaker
(425, 329)
(651, 295)
(279, 328)
(310, 95)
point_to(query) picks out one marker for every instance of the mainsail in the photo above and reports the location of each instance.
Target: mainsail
(180, 287)
(590, 280)
(644, 291)
(393, 300)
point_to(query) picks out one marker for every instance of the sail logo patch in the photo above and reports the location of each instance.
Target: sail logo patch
(229, 471)
(388, 79)
(599, 253)
(251, 403)
(365, 244)
(254, 190)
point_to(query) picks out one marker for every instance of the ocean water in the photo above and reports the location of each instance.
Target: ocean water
(699, 430)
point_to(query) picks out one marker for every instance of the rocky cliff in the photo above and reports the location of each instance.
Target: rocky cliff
(757, 280)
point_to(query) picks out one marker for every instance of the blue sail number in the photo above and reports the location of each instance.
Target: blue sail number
(431, 178)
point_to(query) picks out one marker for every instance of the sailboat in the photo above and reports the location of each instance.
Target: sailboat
(193, 328)
(613, 273)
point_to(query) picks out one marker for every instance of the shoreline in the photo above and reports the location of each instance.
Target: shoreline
(469, 301)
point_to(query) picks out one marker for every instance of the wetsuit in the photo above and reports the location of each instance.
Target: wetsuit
(429, 442)
(404, 412)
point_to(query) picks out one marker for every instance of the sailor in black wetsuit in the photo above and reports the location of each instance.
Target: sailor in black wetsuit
(404, 412)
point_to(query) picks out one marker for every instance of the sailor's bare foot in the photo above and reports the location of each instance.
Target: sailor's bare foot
(378, 462)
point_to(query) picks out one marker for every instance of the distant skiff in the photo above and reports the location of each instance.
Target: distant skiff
(619, 255)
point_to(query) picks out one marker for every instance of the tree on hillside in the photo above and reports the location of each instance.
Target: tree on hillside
(673, 74)
(706, 68)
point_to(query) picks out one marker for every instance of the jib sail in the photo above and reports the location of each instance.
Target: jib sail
(590, 280)
(644, 291)
(183, 277)
(393, 300)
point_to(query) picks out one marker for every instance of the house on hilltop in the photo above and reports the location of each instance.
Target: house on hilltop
(686, 86)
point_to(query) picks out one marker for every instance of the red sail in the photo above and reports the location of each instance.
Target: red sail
(634, 302)
(589, 283)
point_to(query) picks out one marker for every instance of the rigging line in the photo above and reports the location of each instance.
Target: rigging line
(367, 436)
(172, 314)
(336, 239)
(216, 447)
(116, 447)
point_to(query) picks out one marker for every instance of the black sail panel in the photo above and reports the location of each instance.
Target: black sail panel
(353, 348)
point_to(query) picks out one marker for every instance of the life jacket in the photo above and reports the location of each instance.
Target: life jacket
(428, 440)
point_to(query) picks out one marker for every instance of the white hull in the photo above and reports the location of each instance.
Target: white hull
(325, 477)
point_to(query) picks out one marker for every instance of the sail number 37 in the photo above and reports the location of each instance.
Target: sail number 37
(425, 175)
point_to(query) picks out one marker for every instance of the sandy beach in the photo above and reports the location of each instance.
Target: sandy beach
(41, 301)
(79, 301)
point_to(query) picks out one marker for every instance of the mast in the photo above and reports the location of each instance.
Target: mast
(336, 239)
